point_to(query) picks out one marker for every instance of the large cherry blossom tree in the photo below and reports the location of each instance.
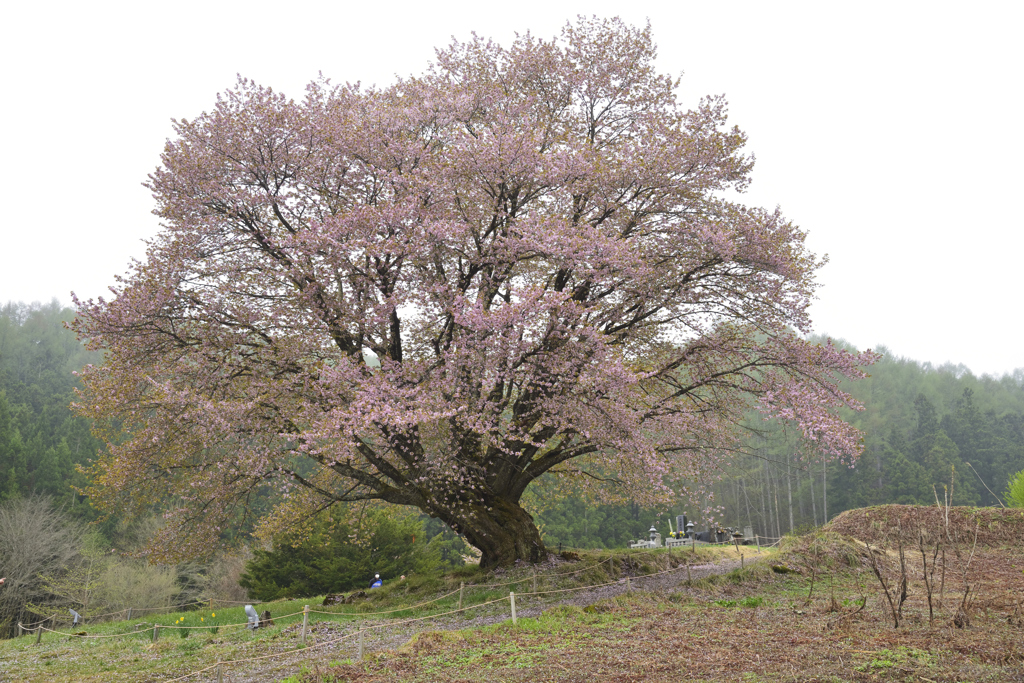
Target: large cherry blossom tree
(522, 264)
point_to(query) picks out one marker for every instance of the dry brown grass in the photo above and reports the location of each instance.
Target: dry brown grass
(760, 625)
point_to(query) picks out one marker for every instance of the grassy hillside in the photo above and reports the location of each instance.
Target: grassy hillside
(814, 609)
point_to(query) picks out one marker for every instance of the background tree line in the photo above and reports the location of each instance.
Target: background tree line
(922, 425)
(40, 440)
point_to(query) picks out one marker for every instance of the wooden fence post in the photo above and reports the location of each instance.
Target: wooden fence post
(462, 585)
(129, 614)
(156, 632)
(534, 578)
(39, 633)
(512, 598)
(361, 644)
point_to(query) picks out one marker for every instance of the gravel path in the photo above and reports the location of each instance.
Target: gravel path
(390, 636)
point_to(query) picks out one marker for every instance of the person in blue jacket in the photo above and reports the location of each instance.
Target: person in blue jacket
(377, 583)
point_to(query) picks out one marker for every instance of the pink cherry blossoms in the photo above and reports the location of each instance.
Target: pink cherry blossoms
(533, 243)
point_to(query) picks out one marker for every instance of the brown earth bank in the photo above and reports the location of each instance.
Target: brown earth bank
(995, 527)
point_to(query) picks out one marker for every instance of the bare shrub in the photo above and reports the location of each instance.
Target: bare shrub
(34, 538)
(136, 584)
(893, 588)
(221, 577)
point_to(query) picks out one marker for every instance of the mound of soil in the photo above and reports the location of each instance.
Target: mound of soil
(996, 527)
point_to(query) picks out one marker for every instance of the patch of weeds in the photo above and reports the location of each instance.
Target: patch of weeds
(725, 603)
(752, 601)
(562, 612)
(191, 646)
(901, 656)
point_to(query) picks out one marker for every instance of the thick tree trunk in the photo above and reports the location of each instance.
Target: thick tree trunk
(501, 530)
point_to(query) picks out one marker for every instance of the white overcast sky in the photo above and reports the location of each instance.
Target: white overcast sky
(891, 131)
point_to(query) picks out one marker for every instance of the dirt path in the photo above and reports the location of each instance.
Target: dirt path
(386, 635)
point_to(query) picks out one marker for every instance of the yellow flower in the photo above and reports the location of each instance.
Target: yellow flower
(202, 619)
(213, 614)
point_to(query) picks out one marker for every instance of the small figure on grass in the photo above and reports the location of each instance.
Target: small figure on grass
(253, 617)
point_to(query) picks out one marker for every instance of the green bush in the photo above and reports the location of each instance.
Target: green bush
(333, 557)
(1015, 491)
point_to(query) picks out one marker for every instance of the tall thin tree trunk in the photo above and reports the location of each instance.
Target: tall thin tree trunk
(766, 492)
(789, 487)
(746, 499)
(814, 505)
(778, 515)
(801, 499)
(824, 493)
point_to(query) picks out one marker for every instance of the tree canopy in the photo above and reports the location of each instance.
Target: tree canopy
(534, 242)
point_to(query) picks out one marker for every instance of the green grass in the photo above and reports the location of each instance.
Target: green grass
(191, 640)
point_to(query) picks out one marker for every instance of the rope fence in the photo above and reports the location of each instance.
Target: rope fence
(393, 624)
(211, 603)
(40, 628)
(128, 612)
(54, 618)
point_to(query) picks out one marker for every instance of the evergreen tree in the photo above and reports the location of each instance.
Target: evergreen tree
(13, 467)
(335, 556)
(1015, 491)
(52, 475)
